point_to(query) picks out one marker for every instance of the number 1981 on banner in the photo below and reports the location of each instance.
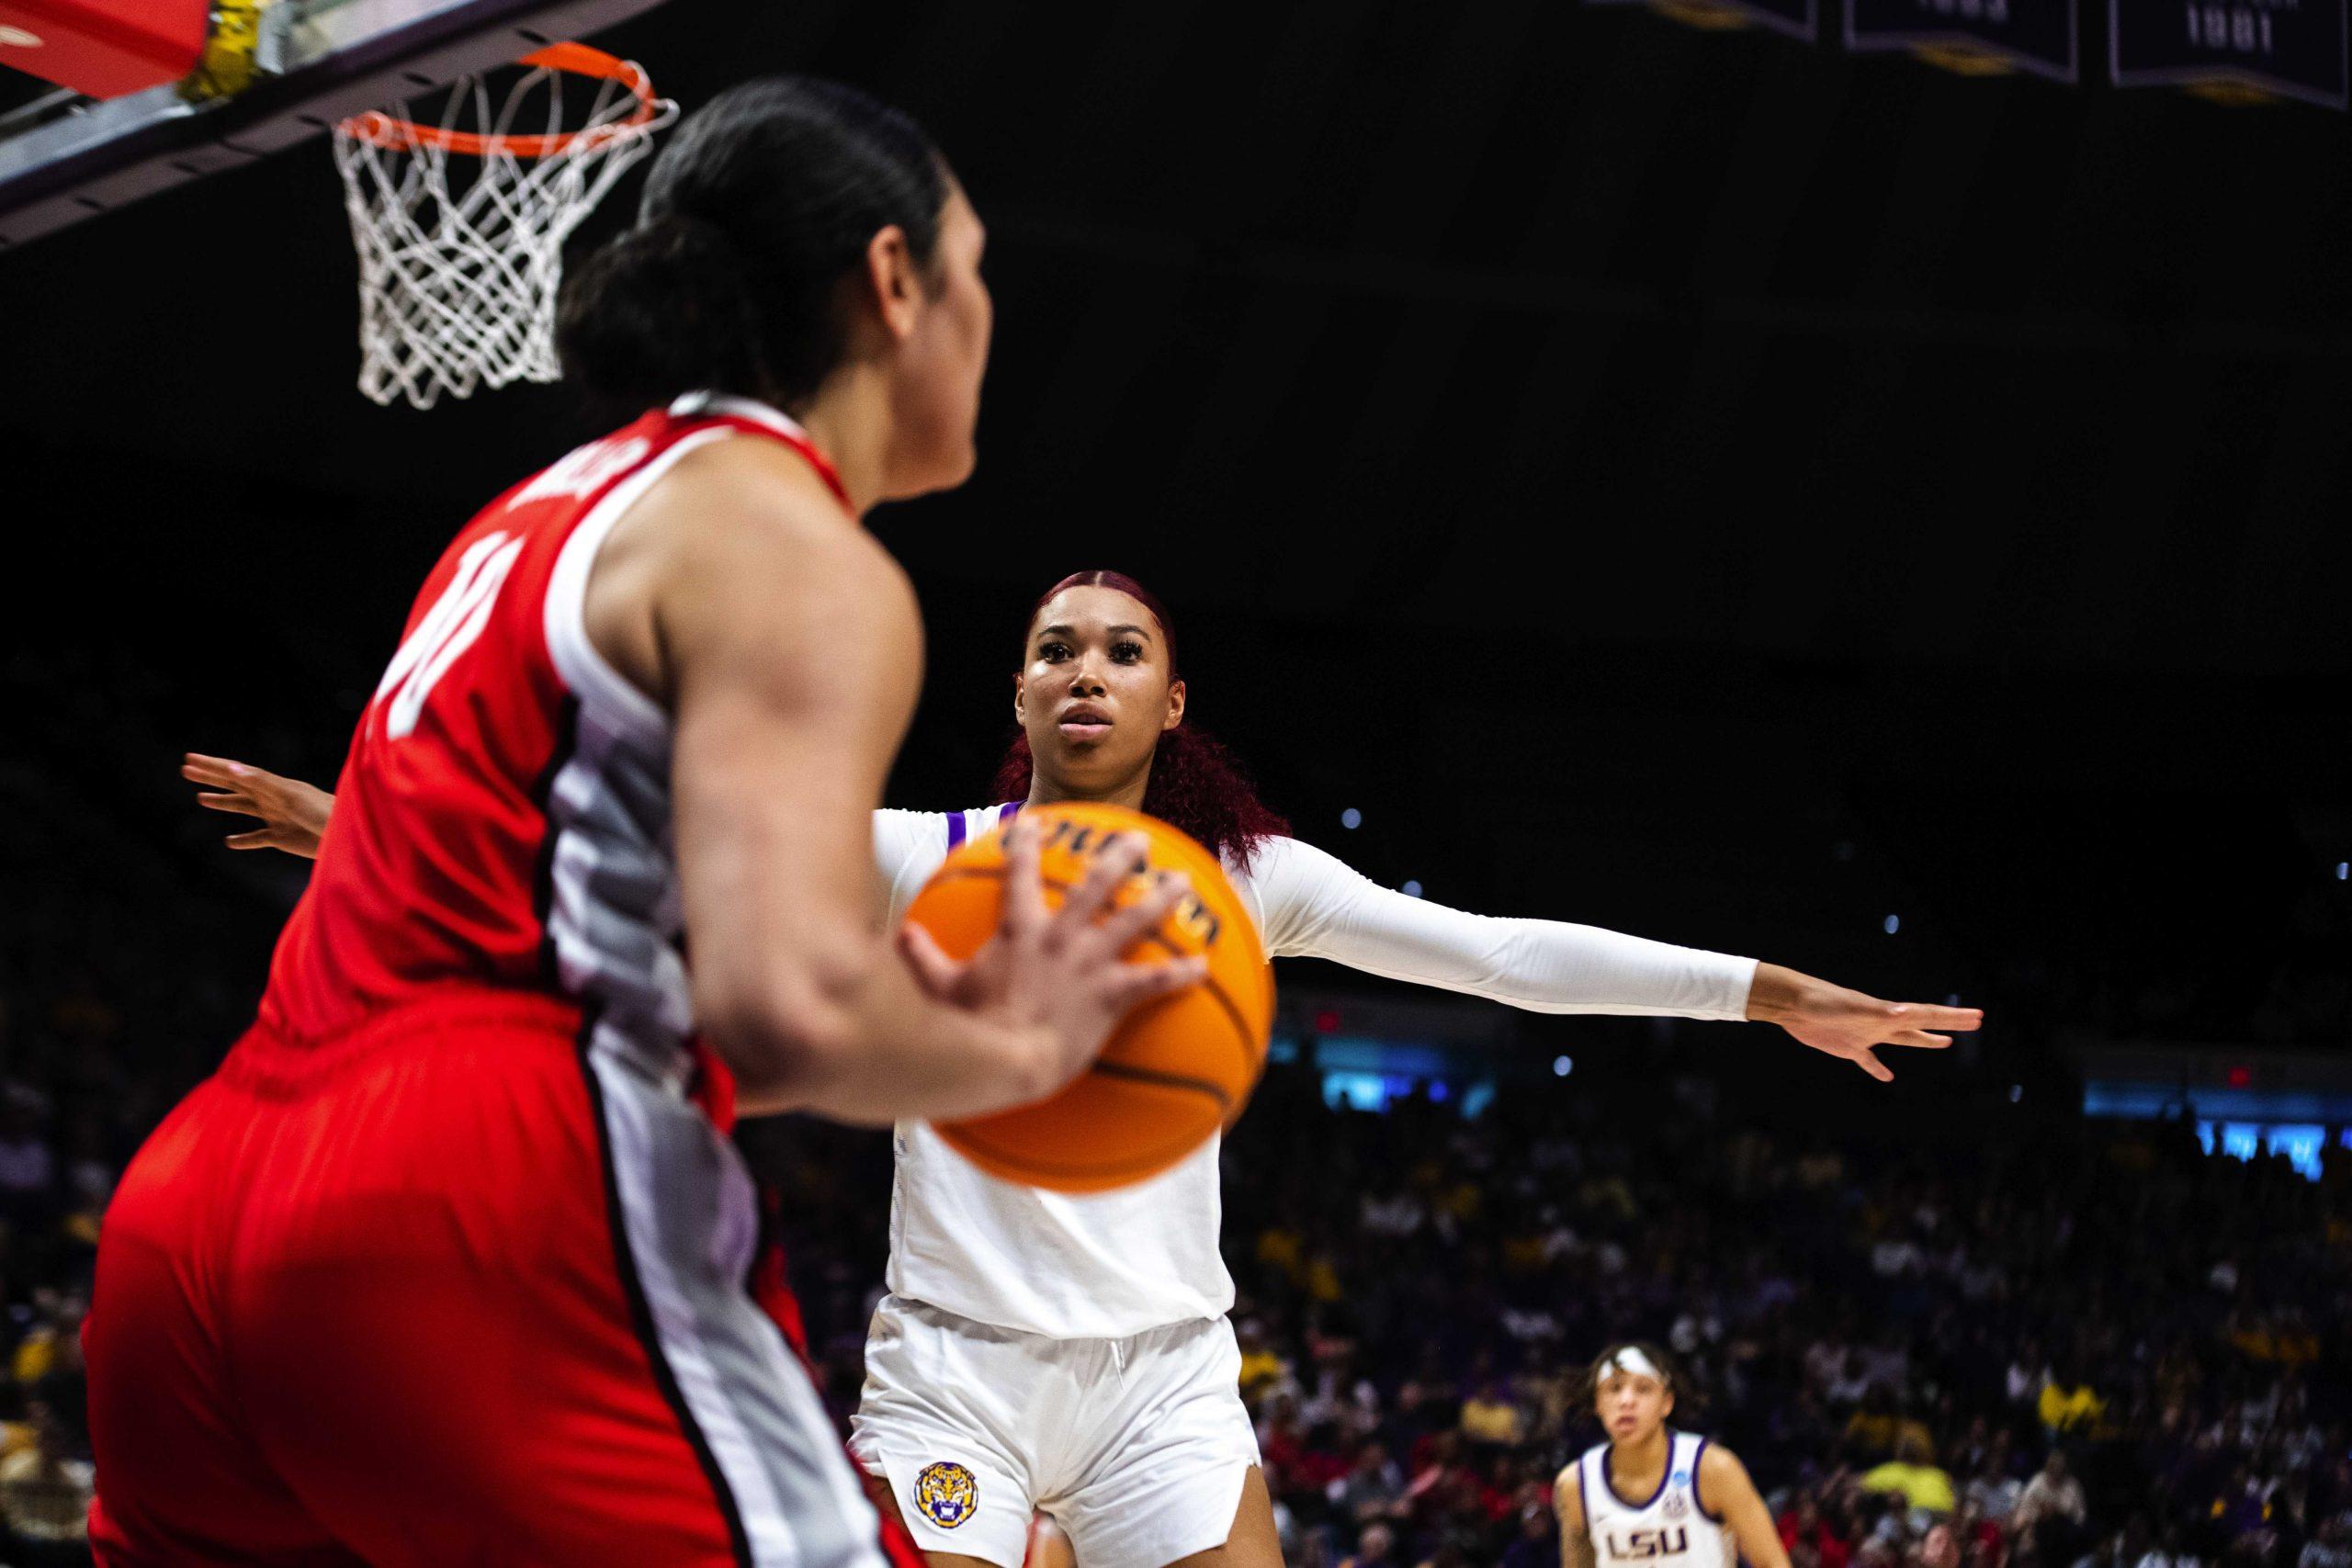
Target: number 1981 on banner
(2238, 27)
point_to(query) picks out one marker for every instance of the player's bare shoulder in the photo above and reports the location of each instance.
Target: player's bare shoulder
(1719, 1471)
(742, 530)
(779, 508)
(749, 495)
(1567, 1502)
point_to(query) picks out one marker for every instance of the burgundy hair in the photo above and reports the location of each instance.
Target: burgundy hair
(1195, 784)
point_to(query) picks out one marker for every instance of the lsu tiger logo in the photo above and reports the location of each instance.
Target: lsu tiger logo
(947, 1494)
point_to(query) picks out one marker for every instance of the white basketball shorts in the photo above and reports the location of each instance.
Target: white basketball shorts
(1137, 1447)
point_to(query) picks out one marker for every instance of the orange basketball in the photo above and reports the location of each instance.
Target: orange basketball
(1176, 1070)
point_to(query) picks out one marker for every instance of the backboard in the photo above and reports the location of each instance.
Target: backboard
(299, 68)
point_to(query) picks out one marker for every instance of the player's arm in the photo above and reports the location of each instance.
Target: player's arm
(786, 647)
(1724, 1489)
(1575, 1540)
(1318, 906)
(293, 813)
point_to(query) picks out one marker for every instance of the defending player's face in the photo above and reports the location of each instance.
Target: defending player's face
(1094, 695)
(1632, 1405)
(937, 400)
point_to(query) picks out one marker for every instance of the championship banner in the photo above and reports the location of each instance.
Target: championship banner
(1798, 19)
(1976, 37)
(2237, 50)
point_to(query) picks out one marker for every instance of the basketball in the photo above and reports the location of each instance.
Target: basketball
(1176, 1070)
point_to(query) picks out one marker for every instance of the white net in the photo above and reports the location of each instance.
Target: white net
(460, 225)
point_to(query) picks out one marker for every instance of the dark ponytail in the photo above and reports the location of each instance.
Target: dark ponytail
(1195, 784)
(762, 201)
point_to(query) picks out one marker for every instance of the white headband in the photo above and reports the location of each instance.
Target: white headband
(1631, 1361)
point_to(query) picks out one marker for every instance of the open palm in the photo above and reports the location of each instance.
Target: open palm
(1851, 1024)
(293, 815)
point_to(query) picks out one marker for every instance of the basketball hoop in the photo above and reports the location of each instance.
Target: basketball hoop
(457, 278)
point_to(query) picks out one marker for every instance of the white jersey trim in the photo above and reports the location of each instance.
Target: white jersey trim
(716, 405)
(590, 677)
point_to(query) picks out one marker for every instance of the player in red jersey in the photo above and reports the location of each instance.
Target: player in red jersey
(444, 1266)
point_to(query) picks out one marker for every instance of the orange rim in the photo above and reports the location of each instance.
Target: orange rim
(381, 129)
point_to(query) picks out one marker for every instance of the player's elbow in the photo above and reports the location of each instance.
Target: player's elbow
(788, 1032)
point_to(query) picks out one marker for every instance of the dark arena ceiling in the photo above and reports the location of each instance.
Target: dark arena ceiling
(1697, 482)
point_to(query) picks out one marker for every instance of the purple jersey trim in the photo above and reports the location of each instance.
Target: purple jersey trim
(1696, 1497)
(1666, 1476)
(958, 832)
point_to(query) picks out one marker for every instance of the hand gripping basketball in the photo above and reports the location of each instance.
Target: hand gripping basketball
(1166, 1047)
(1057, 974)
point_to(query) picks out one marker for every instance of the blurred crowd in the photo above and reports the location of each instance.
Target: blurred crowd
(1967, 1342)
(2036, 1344)
(2069, 1345)
(63, 1139)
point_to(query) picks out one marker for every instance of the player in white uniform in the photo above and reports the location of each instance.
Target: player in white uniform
(1072, 1354)
(1651, 1497)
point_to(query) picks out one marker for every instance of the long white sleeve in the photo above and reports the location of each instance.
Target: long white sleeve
(1315, 905)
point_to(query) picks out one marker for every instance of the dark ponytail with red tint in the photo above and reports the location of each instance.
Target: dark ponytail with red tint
(1196, 786)
(766, 199)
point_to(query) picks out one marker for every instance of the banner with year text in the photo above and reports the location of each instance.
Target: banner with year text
(1975, 36)
(2290, 49)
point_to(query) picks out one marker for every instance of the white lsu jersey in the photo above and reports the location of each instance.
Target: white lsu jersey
(1111, 1265)
(1671, 1528)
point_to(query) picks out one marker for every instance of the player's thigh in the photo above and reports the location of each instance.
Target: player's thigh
(437, 1338)
(179, 1478)
(877, 1487)
(1176, 1476)
(1207, 1507)
(952, 1422)
(514, 1330)
(1254, 1542)
(1177, 1460)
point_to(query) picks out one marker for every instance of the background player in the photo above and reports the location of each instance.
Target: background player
(442, 1266)
(1074, 1353)
(1652, 1496)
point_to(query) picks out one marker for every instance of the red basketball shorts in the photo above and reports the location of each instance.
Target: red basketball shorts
(448, 1291)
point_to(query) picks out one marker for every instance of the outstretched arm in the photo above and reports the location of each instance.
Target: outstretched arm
(293, 813)
(1317, 906)
(1724, 1489)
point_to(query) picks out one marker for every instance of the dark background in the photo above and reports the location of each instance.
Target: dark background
(1697, 483)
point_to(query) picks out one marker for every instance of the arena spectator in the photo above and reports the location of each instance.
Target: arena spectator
(45, 1496)
(1375, 1548)
(1909, 1477)
(2050, 1511)
(1372, 1492)
(1490, 1417)
(2068, 1403)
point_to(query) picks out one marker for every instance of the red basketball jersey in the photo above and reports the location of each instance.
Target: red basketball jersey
(502, 818)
